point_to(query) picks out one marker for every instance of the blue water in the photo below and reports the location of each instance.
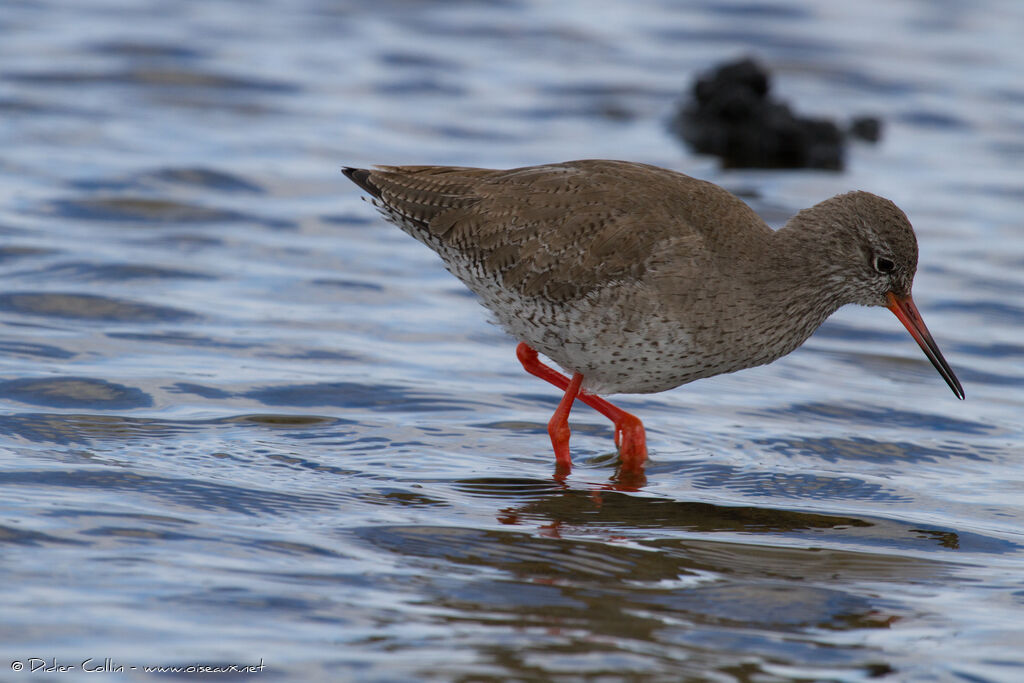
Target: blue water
(242, 419)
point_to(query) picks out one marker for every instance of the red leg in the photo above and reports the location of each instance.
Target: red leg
(629, 430)
(558, 426)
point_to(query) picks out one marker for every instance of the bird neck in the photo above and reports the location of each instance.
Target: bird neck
(803, 278)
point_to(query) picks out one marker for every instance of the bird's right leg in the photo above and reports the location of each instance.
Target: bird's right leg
(558, 426)
(629, 430)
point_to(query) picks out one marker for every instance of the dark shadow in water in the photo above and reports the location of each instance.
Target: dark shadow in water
(185, 494)
(276, 420)
(791, 485)
(66, 429)
(388, 397)
(140, 210)
(556, 510)
(613, 509)
(686, 605)
(849, 413)
(158, 77)
(74, 392)
(184, 339)
(199, 390)
(1004, 378)
(318, 354)
(112, 272)
(205, 178)
(14, 536)
(13, 252)
(837, 450)
(66, 305)
(199, 178)
(348, 285)
(138, 51)
(420, 85)
(20, 348)
(996, 310)
(349, 220)
(1000, 350)
(22, 106)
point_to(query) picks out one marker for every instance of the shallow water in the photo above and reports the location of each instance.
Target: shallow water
(243, 419)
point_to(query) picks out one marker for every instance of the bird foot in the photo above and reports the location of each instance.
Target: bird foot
(632, 441)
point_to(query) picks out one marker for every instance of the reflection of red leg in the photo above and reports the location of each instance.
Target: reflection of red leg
(629, 430)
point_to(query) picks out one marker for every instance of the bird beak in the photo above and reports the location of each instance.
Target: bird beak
(906, 311)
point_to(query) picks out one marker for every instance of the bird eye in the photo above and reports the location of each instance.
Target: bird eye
(884, 265)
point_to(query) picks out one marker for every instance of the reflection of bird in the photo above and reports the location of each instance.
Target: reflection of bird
(636, 279)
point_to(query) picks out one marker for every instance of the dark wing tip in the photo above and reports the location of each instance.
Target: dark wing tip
(361, 177)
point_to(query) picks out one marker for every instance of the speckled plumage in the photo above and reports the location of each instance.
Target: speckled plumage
(640, 278)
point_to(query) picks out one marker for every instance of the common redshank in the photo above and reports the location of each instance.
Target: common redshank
(637, 279)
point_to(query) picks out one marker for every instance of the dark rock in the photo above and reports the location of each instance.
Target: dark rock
(867, 128)
(732, 116)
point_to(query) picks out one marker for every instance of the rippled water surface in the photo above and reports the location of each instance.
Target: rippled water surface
(243, 419)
